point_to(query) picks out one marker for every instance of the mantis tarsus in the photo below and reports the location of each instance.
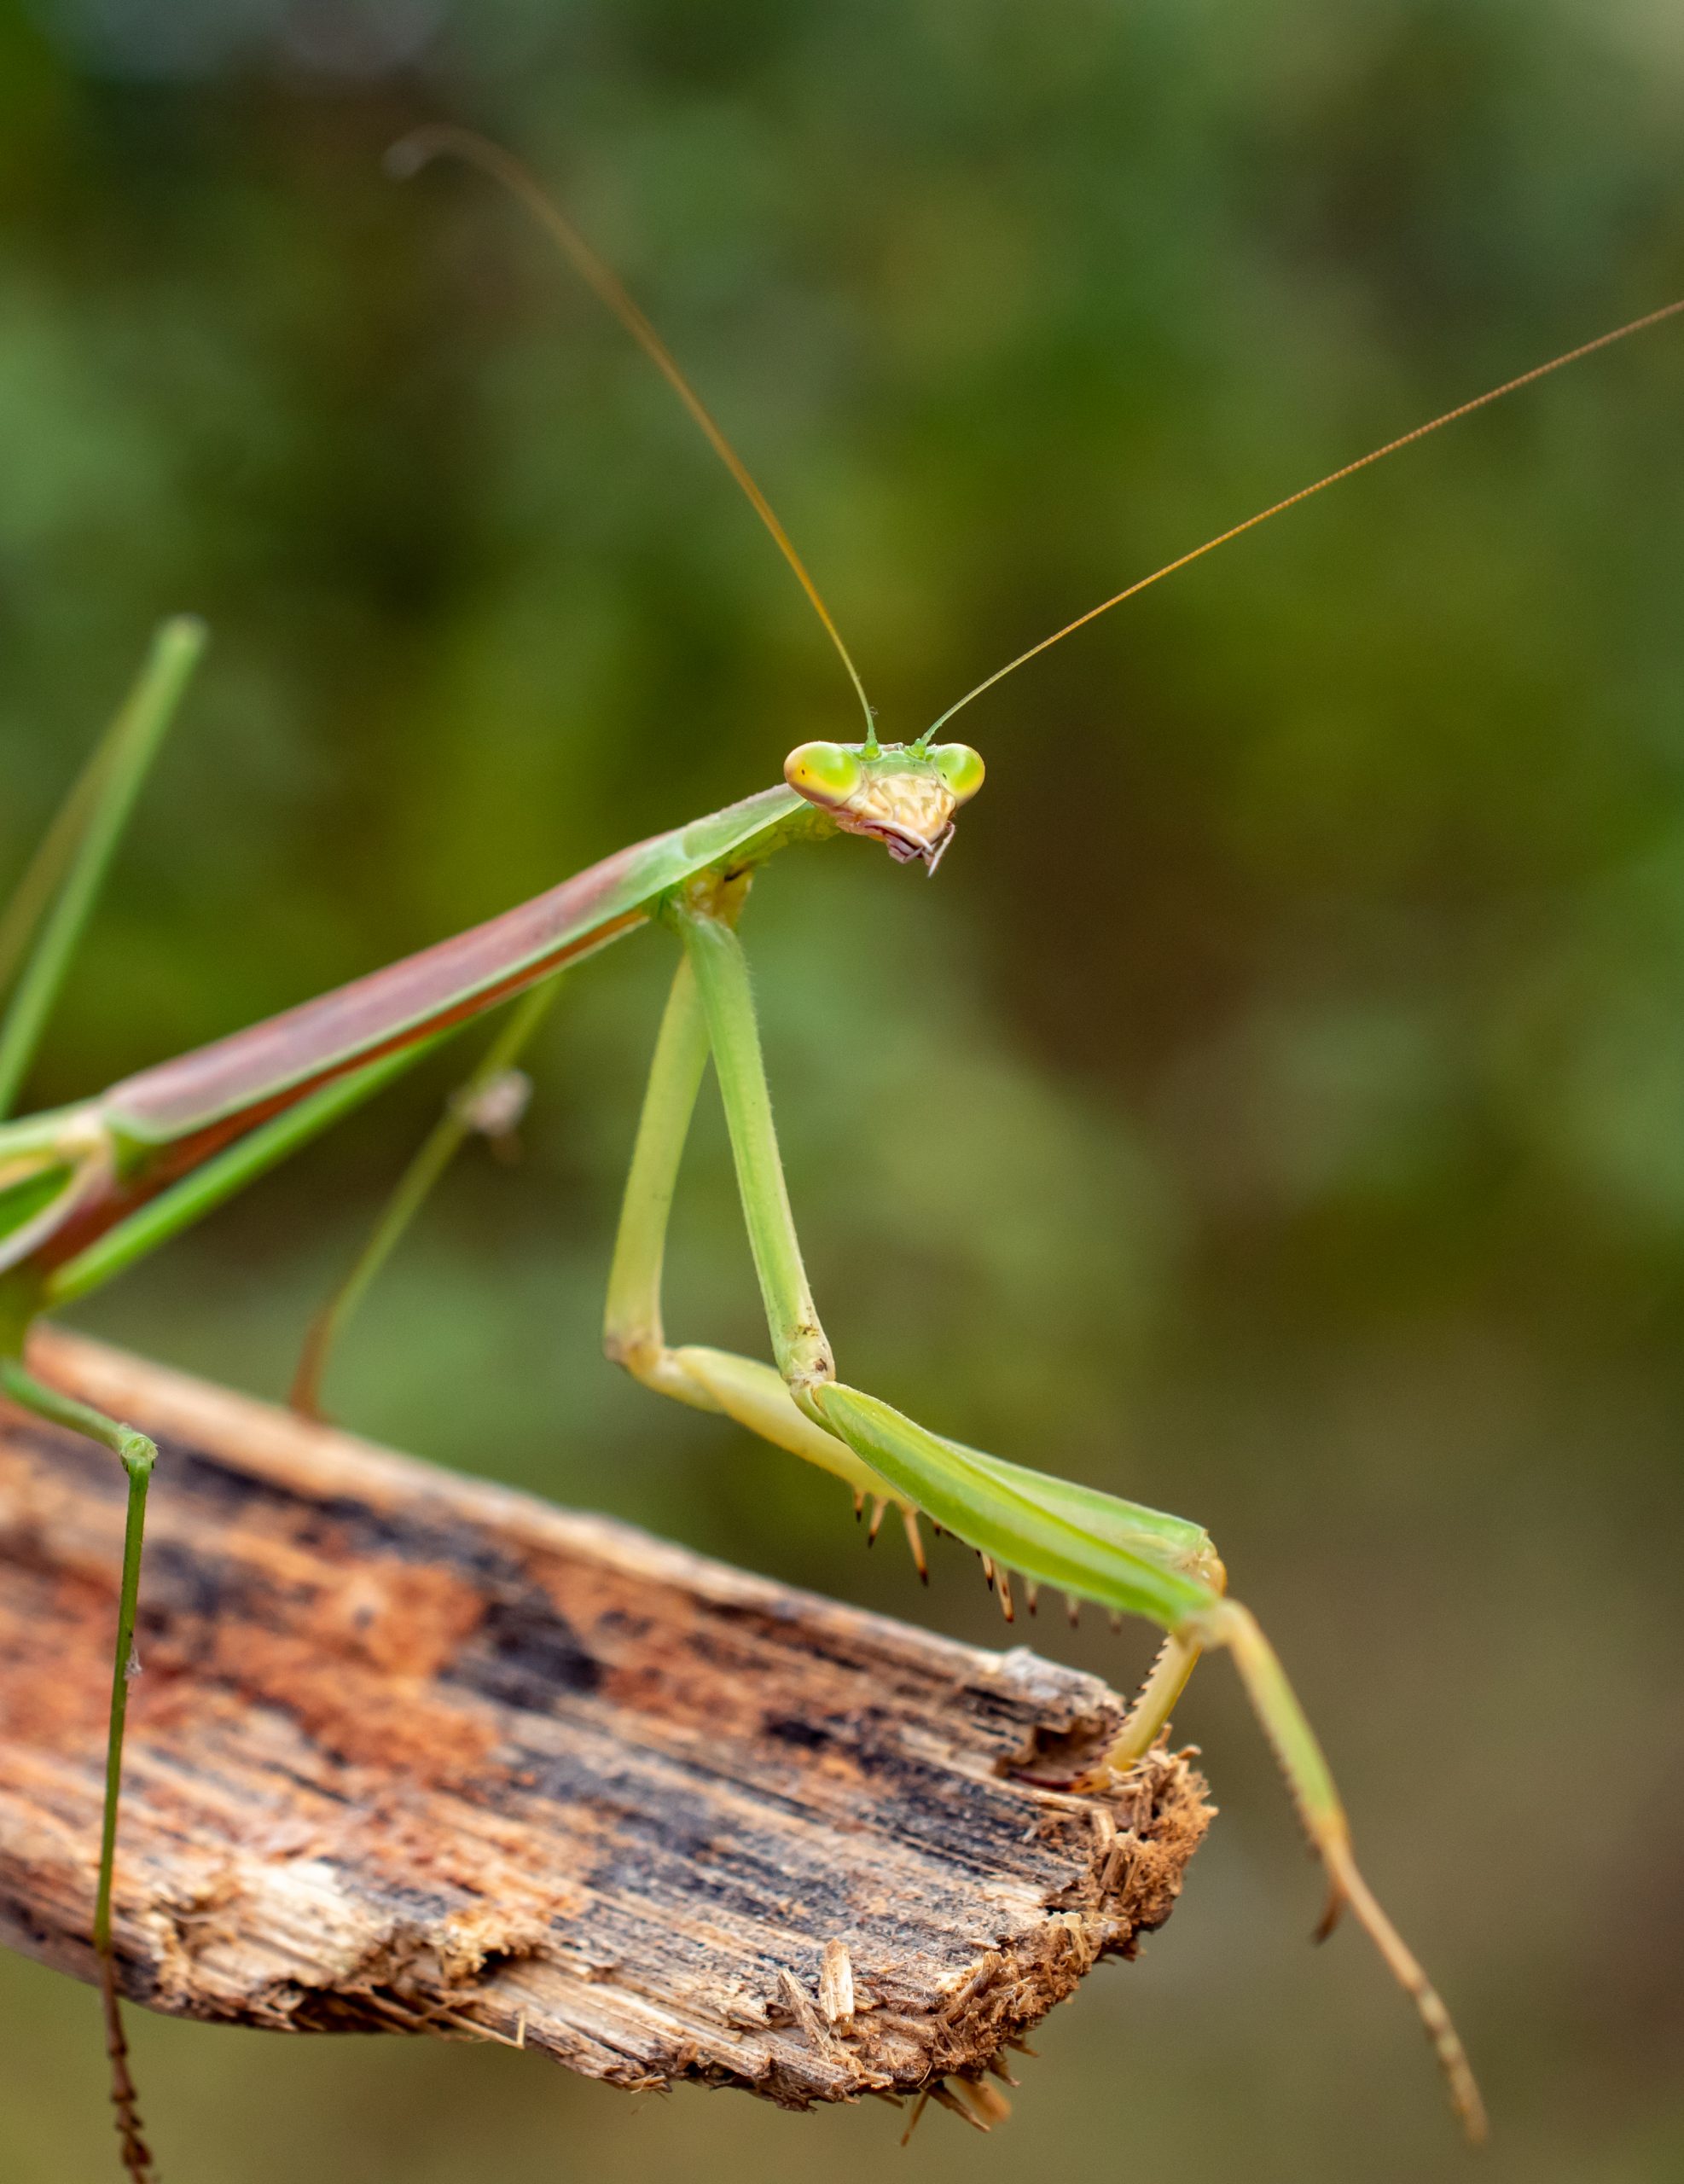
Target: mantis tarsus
(88, 1190)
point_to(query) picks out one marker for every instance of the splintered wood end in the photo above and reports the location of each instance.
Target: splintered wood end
(415, 1753)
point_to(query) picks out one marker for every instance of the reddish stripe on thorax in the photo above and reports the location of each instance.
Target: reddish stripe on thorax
(273, 1063)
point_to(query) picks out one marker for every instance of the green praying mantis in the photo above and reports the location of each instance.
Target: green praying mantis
(87, 1190)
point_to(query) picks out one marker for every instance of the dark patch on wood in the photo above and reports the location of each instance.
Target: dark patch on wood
(811, 1736)
(411, 1752)
(524, 1656)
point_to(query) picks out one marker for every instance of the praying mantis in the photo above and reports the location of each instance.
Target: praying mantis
(88, 1189)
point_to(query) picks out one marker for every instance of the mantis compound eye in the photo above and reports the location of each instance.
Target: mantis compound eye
(960, 768)
(824, 773)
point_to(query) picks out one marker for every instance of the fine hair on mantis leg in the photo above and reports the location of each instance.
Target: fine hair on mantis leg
(88, 1190)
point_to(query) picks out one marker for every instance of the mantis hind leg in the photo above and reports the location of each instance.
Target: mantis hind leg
(53, 900)
(138, 1455)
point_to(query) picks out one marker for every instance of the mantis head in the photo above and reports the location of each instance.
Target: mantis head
(903, 794)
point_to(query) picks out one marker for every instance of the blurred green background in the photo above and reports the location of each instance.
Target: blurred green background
(1283, 1080)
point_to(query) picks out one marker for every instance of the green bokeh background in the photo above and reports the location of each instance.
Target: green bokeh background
(1275, 1109)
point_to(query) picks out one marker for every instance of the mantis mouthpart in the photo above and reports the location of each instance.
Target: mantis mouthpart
(87, 1190)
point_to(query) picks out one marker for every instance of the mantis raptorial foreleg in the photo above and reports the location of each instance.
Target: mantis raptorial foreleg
(1130, 1559)
(88, 1189)
(1155, 1701)
(634, 1333)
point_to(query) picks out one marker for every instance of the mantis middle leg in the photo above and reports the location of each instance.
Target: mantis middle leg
(464, 1113)
(138, 1455)
(39, 932)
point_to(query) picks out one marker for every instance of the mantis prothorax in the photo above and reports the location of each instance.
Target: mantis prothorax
(86, 1190)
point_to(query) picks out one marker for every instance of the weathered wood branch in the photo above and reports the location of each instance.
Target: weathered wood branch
(416, 1752)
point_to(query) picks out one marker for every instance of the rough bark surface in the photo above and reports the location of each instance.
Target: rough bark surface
(412, 1752)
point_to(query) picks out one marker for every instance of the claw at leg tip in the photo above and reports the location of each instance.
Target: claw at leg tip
(1348, 1886)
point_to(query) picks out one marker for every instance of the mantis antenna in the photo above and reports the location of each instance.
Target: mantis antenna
(1305, 492)
(445, 141)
